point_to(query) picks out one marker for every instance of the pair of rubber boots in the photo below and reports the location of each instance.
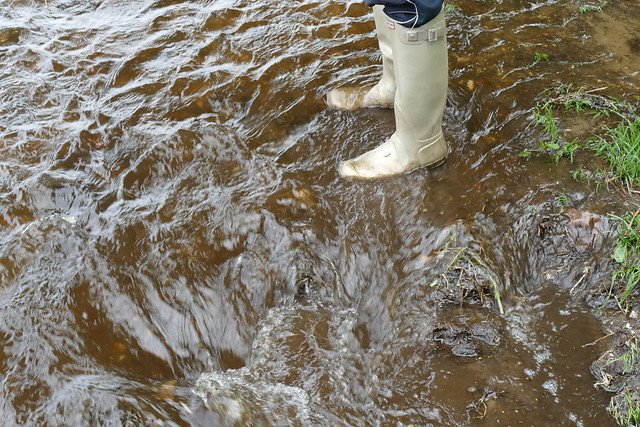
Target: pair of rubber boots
(414, 83)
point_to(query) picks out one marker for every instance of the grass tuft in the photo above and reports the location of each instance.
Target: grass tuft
(450, 8)
(525, 154)
(619, 146)
(627, 255)
(543, 117)
(621, 149)
(540, 57)
(629, 359)
(626, 414)
(567, 150)
(563, 200)
(589, 8)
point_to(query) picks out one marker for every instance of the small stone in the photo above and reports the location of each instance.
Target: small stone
(485, 332)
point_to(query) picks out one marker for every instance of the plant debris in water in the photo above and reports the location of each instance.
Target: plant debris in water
(467, 278)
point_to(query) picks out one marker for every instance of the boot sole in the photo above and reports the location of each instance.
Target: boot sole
(373, 178)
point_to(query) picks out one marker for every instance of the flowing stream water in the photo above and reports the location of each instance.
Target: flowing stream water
(173, 231)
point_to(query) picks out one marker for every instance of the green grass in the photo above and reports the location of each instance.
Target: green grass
(450, 7)
(574, 100)
(628, 237)
(588, 8)
(540, 57)
(581, 175)
(543, 117)
(629, 416)
(627, 254)
(563, 199)
(620, 147)
(567, 150)
(629, 359)
(525, 154)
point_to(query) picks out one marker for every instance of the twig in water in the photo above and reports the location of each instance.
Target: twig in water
(585, 271)
(596, 90)
(599, 339)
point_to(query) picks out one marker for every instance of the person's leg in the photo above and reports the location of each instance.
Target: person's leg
(383, 93)
(421, 72)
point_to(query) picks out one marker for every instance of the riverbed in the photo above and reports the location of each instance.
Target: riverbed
(177, 248)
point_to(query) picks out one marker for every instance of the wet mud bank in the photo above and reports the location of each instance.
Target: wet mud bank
(176, 247)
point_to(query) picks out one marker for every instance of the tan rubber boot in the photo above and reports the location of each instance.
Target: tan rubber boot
(421, 69)
(383, 93)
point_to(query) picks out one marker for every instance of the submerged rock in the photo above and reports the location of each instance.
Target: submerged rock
(486, 332)
(465, 341)
(464, 349)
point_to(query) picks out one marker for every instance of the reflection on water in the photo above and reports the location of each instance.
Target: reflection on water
(170, 206)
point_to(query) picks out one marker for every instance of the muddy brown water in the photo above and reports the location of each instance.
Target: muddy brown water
(170, 208)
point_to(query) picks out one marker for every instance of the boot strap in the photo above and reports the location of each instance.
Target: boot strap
(431, 35)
